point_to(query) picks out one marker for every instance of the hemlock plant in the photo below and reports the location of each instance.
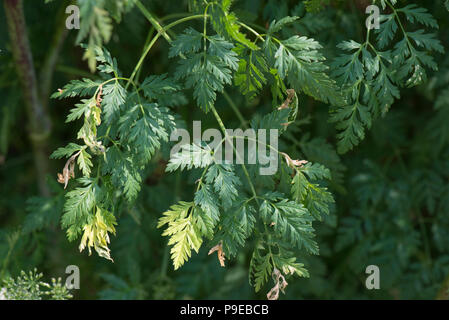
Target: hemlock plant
(125, 124)
(223, 67)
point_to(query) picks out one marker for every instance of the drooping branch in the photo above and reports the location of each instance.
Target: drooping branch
(38, 119)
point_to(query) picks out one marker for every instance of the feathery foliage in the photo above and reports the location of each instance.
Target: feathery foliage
(193, 223)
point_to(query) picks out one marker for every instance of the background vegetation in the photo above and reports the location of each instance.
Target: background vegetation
(391, 189)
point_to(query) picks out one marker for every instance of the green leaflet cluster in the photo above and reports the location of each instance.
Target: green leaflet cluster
(122, 131)
(371, 74)
(394, 215)
(206, 71)
(226, 212)
(125, 124)
(299, 61)
(296, 61)
(233, 204)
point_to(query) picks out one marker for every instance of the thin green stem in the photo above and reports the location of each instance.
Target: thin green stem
(236, 110)
(258, 141)
(258, 35)
(114, 79)
(220, 122)
(175, 16)
(153, 29)
(409, 44)
(205, 32)
(152, 20)
(200, 181)
(256, 26)
(142, 58)
(245, 171)
(147, 42)
(156, 37)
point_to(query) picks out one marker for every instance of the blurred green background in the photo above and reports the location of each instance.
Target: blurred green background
(392, 191)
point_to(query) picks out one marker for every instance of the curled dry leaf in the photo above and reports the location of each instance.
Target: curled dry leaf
(220, 253)
(98, 98)
(293, 163)
(280, 285)
(290, 96)
(68, 171)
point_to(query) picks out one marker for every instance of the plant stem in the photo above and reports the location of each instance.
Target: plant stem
(169, 26)
(257, 34)
(236, 110)
(147, 42)
(152, 20)
(245, 171)
(38, 118)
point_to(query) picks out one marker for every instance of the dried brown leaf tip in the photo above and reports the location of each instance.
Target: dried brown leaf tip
(290, 96)
(280, 285)
(2, 159)
(68, 171)
(98, 98)
(220, 253)
(293, 163)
